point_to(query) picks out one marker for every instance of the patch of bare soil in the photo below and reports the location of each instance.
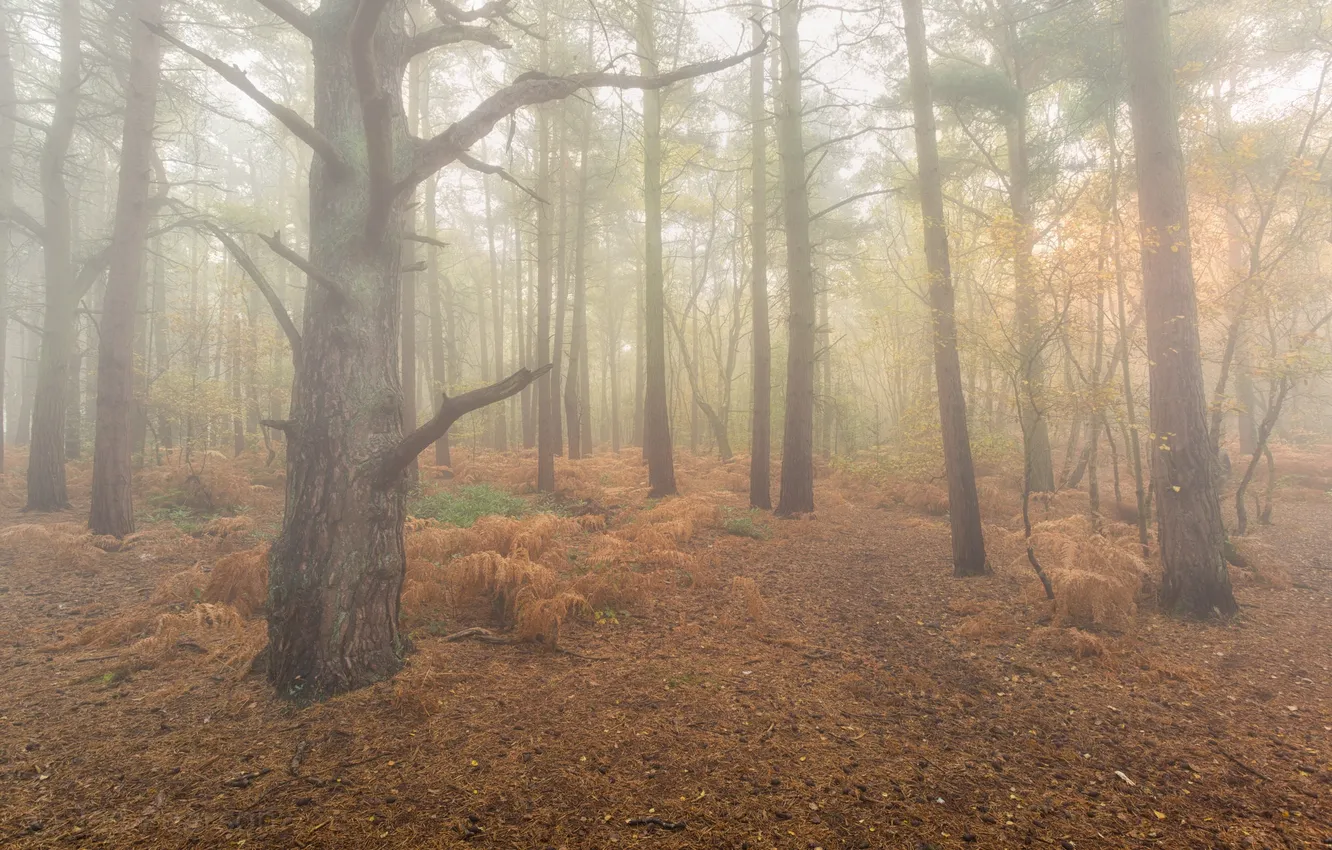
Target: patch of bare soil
(830, 686)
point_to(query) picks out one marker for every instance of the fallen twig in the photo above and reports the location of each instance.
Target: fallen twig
(656, 821)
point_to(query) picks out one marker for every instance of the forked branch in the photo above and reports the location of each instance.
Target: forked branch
(450, 411)
(532, 88)
(301, 128)
(275, 242)
(375, 108)
(293, 16)
(270, 295)
(486, 168)
(442, 36)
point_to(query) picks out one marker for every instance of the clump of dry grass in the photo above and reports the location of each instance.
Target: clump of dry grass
(68, 543)
(228, 526)
(1075, 642)
(240, 580)
(745, 592)
(1096, 573)
(206, 485)
(152, 636)
(539, 619)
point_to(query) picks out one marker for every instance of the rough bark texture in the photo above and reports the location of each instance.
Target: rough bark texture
(656, 413)
(760, 452)
(112, 504)
(1195, 581)
(963, 504)
(8, 105)
(336, 569)
(797, 489)
(46, 461)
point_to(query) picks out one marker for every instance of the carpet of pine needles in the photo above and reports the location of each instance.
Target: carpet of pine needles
(674, 674)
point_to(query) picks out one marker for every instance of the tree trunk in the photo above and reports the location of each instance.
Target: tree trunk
(112, 504)
(640, 315)
(1131, 442)
(561, 286)
(760, 450)
(1196, 582)
(1031, 400)
(576, 385)
(546, 387)
(499, 437)
(8, 126)
(46, 461)
(963, 504)
(656, 413)
(797, 488)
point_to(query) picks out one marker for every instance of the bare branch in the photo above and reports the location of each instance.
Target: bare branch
(289, 13)
(425, 240)
(413, 268)
(486, 168)
(450, 410)
(532, 88)
(270, 295)
(275, 242)
(18, 216)
(301, 128)
(851, 200)
(375, 115)
(442, 36)
(490, 11)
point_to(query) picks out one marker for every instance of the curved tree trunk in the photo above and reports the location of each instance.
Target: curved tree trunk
(964, 504)
(112, 503)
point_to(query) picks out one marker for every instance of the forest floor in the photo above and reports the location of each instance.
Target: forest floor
(862, 699)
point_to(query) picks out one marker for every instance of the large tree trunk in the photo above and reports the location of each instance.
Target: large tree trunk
(336, 569)
(1196, 582)
(964, 506)
(797, 489)
(46, 461)
(112, 503)
(8, 126)
(656, 412)
(760, 450)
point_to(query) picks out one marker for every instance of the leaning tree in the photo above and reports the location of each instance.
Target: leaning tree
(336, 569)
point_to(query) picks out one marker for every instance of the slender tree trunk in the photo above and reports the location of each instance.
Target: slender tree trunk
(827, 401)
(797, 487)
(499, 436)
(46, 461)
(964, 506)
(1121, 290)
(561, 286)
(112, 504)
(546, 386)
(1196, 582)
(575, 385)
(656, 412)
(760, 451)
(640, 313)
(1032, 401)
